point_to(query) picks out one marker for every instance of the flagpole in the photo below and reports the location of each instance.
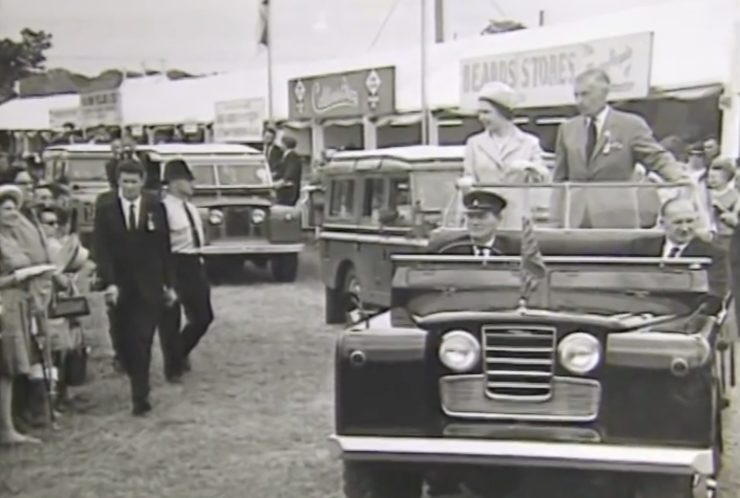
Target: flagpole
(424, 120)
(269, 64)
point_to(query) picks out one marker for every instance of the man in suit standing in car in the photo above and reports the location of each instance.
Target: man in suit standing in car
(603, 144)
(132, 242)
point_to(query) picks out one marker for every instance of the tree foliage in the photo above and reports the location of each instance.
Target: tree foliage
(19, 59)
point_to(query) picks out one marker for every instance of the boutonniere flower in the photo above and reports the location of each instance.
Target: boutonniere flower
(610, 143)
(150, 222)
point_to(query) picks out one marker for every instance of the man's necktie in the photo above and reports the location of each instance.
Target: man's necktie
(591, 138)
(674, 252)
(131, 217)
(197, 243)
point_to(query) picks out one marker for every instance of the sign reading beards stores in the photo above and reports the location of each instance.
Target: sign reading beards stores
(367, 92)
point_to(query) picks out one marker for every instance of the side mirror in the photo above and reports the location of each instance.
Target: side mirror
(387, 216)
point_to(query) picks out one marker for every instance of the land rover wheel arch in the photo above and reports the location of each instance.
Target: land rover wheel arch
(367, 480)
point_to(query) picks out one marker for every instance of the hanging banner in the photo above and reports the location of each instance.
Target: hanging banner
(102, 108)
(545, 77)
(239, 120)
(62, 116)
(367, 92)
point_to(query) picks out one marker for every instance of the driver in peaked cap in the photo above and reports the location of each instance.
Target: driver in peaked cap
(483, 211)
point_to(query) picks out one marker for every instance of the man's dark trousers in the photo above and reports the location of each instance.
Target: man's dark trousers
(136, 321)
(194, 298)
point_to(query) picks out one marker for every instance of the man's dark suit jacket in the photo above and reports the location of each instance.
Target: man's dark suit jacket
(291, 170)
(139, 263)
(274, 159)
(462, 246)
(697, 248)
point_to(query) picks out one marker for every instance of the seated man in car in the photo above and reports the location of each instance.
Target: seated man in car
(679, 219)
(483, 210)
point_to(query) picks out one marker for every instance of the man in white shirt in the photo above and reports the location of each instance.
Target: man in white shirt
(191, 284)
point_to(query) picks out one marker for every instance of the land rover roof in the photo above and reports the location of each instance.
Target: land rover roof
(165, 149)
(416, 157)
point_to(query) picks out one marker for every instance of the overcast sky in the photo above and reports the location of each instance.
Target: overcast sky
(220, 35)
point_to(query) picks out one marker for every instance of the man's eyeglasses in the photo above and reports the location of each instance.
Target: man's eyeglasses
(50, 223)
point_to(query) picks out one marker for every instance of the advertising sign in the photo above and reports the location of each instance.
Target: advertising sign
(367, 92)
(63, 115)
(101, 108)
(239, 120)
(545, 77)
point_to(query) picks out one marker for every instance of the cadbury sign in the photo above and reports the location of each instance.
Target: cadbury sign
(545, 77)
(367, 92)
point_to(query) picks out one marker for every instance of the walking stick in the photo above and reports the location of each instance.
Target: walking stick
(45, 375)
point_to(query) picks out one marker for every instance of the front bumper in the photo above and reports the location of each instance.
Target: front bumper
(249, 248)
(603, 457)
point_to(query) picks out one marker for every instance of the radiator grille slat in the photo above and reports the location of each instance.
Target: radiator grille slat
(519, 361)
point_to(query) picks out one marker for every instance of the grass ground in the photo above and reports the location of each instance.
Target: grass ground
(250, 421)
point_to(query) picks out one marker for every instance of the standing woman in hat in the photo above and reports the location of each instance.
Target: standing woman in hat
(21, 293)
(502, 153)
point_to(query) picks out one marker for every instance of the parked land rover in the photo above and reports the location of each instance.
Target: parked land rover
(607, 381)
(234, 193)
(378, 203)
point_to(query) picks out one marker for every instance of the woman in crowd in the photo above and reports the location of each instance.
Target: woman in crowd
(502, 153)
(23, 294)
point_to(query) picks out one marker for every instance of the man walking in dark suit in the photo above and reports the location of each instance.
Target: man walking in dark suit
(135, 266)
(604, 145)
(191, 283)
(483, 212)
(679, 220)
(289, 174)
(273, 152)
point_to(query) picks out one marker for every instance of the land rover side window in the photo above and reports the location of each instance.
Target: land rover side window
(205, 174)
(399, 197)
(373, 199)
(242, 174)
(342, 200)
(82, 169)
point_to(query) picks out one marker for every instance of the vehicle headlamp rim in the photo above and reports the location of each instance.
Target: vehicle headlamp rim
(258, 216)
(584, 338)
(473, 355)
(215, 216)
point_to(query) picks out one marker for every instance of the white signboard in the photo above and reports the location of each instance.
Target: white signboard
(239, 120)
(101, 108)
(545, 77)
(64, 115)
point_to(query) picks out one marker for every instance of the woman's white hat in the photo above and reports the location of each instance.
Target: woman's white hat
(13, 192)
(499, 93)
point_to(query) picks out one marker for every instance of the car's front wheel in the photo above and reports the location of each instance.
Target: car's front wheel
(284, 267)
(366, 480)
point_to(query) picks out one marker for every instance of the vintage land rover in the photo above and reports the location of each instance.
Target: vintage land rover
(234, 193)
(608, 381)
(378, 203)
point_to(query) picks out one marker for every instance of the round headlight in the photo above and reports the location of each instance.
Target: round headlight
(258, 216)
(579, 352)
(459, 351)
(215, 217)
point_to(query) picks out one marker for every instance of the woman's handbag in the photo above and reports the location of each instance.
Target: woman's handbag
(68, 306)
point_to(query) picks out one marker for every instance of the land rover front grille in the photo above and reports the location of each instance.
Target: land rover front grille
(519, 362)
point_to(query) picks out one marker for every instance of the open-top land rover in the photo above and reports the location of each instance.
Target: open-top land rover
(606, 381)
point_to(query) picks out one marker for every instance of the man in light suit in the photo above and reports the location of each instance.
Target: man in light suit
(604, 145)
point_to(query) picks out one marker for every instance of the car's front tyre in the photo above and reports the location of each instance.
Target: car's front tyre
(367, 480)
